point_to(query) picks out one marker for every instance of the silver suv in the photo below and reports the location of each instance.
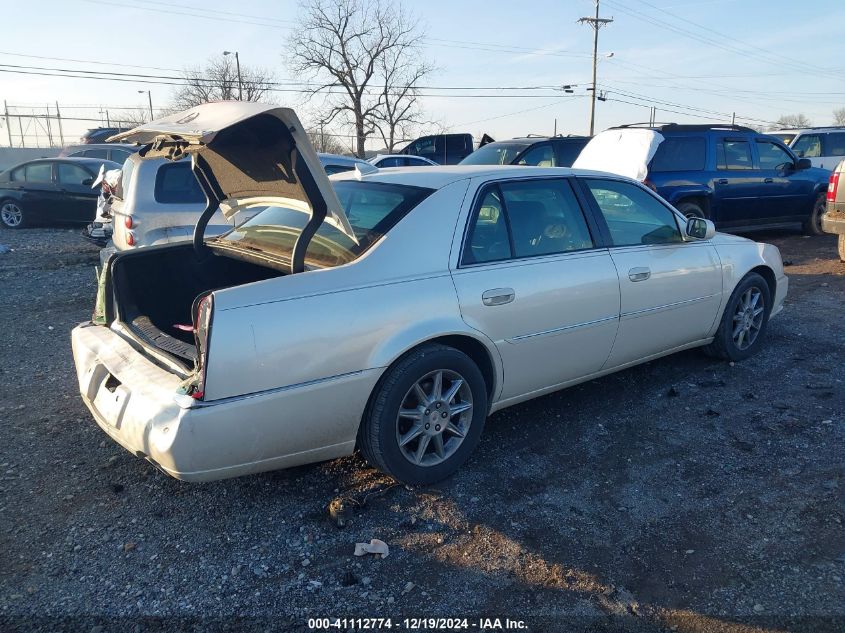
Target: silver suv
(158, 202)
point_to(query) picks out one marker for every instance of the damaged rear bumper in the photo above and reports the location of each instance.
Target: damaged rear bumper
(137, 403)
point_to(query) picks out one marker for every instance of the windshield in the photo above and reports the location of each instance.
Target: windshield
(372, 208)
(495, 154)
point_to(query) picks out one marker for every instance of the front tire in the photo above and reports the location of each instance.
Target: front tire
(813, 224)
(425, 416)
(744, 321)
(691, 210)
(11, 214)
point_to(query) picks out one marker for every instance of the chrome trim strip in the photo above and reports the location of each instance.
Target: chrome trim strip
(187, 402)
(522, 337)
(668, 306)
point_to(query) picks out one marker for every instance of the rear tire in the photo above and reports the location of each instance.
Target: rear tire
(744, 321)
(813, 224)
(841, 246)
(691, 209)
(419, 428)
(12, 215)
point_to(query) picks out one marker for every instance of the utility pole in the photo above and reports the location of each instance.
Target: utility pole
(8, 125)
(596, 23)
(59, 119)
(150, 98)
(238, 66)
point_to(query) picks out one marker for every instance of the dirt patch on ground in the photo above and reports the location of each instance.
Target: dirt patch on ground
(685, 494)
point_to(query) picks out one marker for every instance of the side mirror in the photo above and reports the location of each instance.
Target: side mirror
(88, 182)
(803, 163)
(700, 229)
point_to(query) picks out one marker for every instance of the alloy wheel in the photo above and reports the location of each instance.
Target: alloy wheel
(748, 318)
(434, 418)
(11, 214)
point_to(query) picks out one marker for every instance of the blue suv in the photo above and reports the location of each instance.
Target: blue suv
(733, 175)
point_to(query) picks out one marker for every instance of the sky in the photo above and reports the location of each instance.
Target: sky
(695, 60)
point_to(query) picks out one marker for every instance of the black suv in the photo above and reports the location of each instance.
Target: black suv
(536, 151)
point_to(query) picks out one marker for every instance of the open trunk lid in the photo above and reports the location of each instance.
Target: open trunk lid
(245, 151)
(621, 151)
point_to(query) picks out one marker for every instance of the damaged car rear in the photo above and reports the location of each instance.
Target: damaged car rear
(178, 363)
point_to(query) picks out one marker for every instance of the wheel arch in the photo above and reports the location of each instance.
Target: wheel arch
(768, 275)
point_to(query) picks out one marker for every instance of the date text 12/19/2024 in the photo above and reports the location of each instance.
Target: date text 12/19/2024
(417, 624)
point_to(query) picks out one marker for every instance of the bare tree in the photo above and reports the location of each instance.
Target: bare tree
(793, 121)
(401, 72)
(325, 142)
(839, 116)
(342, 45)
(218, 81)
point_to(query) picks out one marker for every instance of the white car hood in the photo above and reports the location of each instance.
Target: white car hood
(252, 151)
(621, 151)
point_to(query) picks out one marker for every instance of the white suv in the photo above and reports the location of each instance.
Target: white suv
(824, 146)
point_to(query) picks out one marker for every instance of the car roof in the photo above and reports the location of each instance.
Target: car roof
(339, 158)
(84, 146)
(66, 159)
(802, 130)
(443, 175)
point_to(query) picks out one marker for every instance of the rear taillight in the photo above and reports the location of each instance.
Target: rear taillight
(127, 221)
(202, 328)
(832, 186)
(130, 238)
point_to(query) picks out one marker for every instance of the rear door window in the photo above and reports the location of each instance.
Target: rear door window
(684, 153)
(39, 172)
(808, 146)
(488, 239)
(835, 144)
(633, 215)
(176, 184)
(568, 151)
(733, 154)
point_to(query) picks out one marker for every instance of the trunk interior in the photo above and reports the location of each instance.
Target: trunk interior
(155, 290)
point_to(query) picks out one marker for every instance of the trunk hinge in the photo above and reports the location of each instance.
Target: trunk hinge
(213, 196)
(318, 213)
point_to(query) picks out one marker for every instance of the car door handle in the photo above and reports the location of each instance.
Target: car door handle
(722, 181)
(498, 296)
(769, 180)
(639, 274)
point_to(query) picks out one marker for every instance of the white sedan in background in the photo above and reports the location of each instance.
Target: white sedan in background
(394, 310)
(400, 160)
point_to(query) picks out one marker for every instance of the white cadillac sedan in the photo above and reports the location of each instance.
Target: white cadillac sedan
(393, 310)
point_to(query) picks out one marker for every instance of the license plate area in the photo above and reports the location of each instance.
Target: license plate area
(111, 397)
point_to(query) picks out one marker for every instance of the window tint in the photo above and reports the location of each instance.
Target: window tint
(495, 154)
(39, 172)
(95, 153)
(545, 218)
(393, 161)
(733, 155)
(175, 184)
(633, 215)
(772, 156)
(539, 156)
(808, 146)
(488, 236)
(835, 142)
(337, 169)
(457, 143)
(680, 154)
(72, 174)
(569, 151)
(18, 174)
(119, 155)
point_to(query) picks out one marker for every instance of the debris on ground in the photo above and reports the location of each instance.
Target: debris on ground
(376, 547)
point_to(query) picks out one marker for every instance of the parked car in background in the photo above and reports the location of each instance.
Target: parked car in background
(443, 149)
(336, 163)
(833, 221)
(50, 190)
(733, 175)
(115, 152)
(400, 160)
(824, 146)
(99, 134)
(159, 202)
(392, 310)
(537, 151)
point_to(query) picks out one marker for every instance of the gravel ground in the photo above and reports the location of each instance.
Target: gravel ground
(685, 494)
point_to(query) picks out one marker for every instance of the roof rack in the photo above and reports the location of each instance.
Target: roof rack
(684, 127)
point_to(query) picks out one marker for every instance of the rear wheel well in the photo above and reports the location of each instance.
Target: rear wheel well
(768, 274)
